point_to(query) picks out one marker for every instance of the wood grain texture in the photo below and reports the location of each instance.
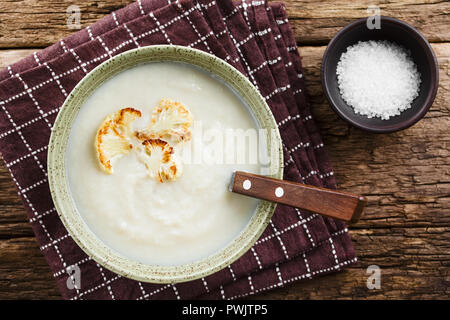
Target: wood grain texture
(32, 23)
(40, 23)
(405, 175)
(335, 204)
(24, 273)
(316, 22)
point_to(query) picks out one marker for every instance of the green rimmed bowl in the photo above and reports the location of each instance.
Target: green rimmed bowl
(57, 167)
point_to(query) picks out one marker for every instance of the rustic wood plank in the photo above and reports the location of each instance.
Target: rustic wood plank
(26, 24)
(8, 57)
(414, 265)
(24, 273)
(315, 22)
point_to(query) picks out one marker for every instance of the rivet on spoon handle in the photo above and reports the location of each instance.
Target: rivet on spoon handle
(331, 203)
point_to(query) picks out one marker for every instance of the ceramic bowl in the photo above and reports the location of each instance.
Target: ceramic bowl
(393, 30)
(57, 166)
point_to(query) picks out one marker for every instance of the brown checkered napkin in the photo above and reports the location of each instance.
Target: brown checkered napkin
(256, 39)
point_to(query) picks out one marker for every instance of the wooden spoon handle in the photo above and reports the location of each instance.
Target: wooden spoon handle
(331, 203)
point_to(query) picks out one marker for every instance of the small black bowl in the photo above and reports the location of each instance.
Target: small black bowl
(392, 30)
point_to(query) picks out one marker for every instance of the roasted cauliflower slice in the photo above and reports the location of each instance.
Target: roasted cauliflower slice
(170, 121)
(113, 137)
(160, 160)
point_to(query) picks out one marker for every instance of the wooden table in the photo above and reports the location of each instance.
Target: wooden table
(405, 175)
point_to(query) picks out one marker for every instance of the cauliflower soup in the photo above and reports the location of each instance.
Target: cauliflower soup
(184, 217)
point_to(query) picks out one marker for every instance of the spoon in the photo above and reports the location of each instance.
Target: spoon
(331, 203)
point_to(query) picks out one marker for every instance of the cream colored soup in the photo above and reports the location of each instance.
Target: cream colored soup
(168, 223)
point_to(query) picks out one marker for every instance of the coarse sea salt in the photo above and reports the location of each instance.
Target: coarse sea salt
(378, 78)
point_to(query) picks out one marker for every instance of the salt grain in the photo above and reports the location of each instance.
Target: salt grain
(378, 78)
